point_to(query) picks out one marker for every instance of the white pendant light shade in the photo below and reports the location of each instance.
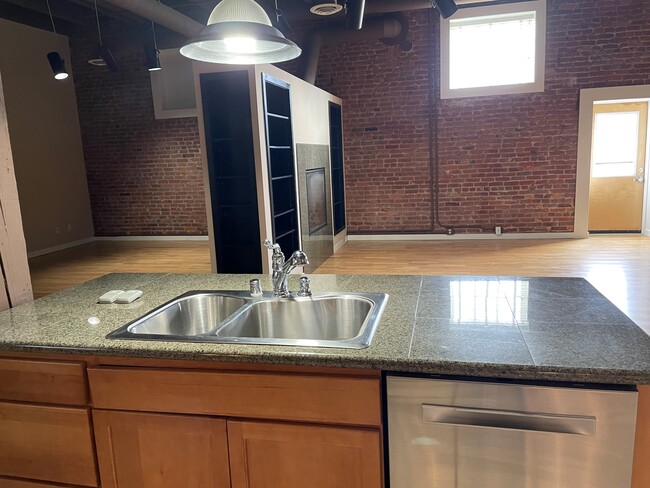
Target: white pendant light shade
(240, 32)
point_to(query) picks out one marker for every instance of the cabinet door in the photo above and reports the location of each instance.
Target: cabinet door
(46, 443)
(267, 455)
(137, 450)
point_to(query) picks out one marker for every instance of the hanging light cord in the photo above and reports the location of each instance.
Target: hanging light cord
(153, 32)
(99, 30)
(47, 2)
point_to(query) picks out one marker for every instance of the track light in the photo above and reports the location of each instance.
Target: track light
(56, 61)
(153, 57)
(447, 8)
(103, 56)
(152, 52)
(58, 65)
(240, 32)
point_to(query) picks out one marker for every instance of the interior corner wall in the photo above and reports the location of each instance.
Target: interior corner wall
(144, 174)
(45, 138)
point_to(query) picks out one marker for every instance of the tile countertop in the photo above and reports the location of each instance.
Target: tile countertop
(558, 329)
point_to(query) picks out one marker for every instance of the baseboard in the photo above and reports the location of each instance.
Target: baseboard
(455, 237)
(153, 238)
(340, 239)
(60, 247)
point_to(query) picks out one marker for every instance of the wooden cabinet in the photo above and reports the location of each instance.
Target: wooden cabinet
(46, 443)
(138, 450)
(269, 455)
(319, 430)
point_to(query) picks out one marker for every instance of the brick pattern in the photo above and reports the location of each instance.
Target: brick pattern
(144, 175)
(507, 160)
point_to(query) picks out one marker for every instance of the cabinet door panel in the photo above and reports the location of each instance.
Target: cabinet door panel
(137, 450)
(266, 455)
(46, 443)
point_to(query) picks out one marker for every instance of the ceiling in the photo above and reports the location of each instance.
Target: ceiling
(71, 13)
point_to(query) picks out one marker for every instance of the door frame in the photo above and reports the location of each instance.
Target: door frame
(589, 96)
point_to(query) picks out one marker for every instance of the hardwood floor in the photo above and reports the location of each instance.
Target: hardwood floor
(618, 266)
(60, 270)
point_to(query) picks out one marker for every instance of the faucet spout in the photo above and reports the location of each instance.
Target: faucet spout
(281, 268)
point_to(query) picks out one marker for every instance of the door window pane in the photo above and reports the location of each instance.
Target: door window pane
(615, 144)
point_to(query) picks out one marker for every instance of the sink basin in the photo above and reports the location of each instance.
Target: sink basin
(189, 315)
(345, 320)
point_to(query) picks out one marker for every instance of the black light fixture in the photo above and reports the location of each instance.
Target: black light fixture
(56, 61)
(103, 55)
(152, 52)
(447, 8)
(58, 65)
(240, 32)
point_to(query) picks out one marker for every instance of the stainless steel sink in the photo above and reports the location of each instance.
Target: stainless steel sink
(324, 320)
(188, 315)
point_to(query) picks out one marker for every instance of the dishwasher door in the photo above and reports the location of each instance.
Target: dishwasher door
(467, 434)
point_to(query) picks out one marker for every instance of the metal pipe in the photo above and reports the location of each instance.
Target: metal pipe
(386, 27)
(161, 15)
(354, 17)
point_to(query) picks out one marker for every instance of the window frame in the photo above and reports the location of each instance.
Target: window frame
(539, 7)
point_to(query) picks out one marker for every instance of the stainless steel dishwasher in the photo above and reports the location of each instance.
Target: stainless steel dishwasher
(471, 434)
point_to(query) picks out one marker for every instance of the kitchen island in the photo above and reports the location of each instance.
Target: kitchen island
(533, 329)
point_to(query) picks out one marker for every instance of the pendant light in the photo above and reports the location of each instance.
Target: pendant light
(152, 52)
(447, 8)
(240, 32)
(104, 56)
(56, 61)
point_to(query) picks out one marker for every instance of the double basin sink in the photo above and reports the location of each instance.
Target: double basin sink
(343, 320)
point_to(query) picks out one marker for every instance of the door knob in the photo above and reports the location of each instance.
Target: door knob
(640, 179)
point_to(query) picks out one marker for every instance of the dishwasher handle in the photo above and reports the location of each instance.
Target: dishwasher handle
(508, 419)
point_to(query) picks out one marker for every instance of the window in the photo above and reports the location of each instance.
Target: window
(616, 139)
(493, 50)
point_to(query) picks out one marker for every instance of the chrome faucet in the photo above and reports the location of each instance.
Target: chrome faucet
(281, 268)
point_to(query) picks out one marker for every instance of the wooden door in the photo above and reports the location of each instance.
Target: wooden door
(618, 167)
(268, 455)
(140, 450)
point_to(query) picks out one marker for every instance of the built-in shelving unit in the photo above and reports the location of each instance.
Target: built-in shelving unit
(281, 161)
(231, 170)
(336, 158)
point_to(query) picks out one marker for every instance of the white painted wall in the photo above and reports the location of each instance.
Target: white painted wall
(45, 138)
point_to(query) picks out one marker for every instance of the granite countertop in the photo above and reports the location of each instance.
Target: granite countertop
(558, 329)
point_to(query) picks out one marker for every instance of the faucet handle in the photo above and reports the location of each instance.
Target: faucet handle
(271, 246)
(304, 287)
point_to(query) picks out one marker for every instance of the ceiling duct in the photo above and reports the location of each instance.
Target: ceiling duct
(390, 28)
(161, 15)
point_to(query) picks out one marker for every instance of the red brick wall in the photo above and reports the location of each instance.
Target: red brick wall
(506, 160)
(144, 175)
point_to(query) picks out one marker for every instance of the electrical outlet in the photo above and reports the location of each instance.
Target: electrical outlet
(497, 230)
(69, 227)
(57, 230)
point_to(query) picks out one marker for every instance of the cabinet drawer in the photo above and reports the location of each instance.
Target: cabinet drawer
(46, 443)
(42, 381)
(301, 397)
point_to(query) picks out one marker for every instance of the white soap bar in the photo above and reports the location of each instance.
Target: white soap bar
(110, 296)
(128, 296)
